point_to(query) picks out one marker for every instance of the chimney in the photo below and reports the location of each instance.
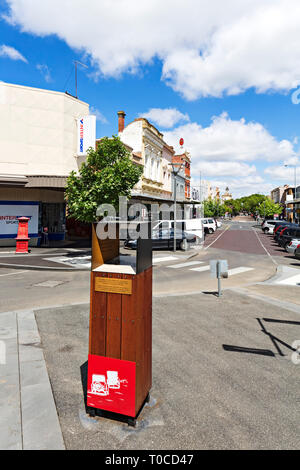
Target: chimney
(121, 116)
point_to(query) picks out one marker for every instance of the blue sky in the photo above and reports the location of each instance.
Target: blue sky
(231, 82)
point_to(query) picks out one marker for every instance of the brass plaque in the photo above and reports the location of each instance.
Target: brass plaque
(113, 285)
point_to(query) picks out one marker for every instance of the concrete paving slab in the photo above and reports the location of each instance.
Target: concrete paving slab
(28, 416)
(40, 425)
(10, 415)
(10, 363)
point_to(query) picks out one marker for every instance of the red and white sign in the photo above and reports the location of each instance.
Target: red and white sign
(111, 385)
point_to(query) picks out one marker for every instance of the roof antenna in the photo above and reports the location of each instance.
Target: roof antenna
(76, 62)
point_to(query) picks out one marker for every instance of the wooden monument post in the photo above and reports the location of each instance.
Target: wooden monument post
(120, 343)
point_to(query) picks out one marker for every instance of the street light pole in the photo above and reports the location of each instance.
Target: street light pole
(176, 167)
(295, 188)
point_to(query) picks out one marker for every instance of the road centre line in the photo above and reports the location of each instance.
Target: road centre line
(227, 228)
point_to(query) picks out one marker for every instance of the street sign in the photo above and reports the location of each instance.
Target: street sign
(223, 267)
(219, 269)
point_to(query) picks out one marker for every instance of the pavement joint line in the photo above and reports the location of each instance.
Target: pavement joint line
(227, 228)
(275, 262)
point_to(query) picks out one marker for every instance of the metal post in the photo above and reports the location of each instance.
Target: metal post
(295, 193)
(219, 279)
(175, 216)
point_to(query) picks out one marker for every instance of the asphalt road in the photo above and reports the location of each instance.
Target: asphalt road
(223, 377)
(251, 255)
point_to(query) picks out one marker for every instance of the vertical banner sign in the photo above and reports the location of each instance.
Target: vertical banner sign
(86, 134)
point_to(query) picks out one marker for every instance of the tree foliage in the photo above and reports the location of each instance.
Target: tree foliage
(268, 208)
(107, 174)
(247, 204)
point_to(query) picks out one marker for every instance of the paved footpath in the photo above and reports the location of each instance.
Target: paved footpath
(28, 417)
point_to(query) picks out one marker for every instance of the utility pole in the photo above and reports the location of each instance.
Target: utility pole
(295, 189)
(201, 211)
(176, 167)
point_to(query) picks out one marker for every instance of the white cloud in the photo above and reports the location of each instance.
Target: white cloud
(222, 169)
(44, 69)
(206, 49)
(165, 118)
(281, 173)
(229, 140)
(243, 186)
(99, 116)
(11, 53)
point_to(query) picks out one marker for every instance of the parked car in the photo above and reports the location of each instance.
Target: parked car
(218, 223)
(190, 226)
(268, 226)
(280, 234)
(164, 239)
(288, 235)
(297, 252)
(291, 247)
(278, 225)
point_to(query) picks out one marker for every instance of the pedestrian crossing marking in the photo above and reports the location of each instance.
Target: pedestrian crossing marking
(185, 265)
(166, 258)
(240, 270)
(202, 269)
(290, 281)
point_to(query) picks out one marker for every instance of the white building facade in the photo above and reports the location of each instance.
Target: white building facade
(155, 185)
(39, 148)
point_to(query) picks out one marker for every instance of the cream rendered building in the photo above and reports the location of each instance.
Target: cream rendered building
(38, 141)
(155, 155)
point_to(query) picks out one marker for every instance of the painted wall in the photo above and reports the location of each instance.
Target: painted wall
(38, 131)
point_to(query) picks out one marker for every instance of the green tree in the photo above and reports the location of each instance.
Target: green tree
(268, 208)
(214, 208)
(107, 174)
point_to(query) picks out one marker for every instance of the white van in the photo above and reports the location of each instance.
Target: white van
(190, 226)
(209, 224)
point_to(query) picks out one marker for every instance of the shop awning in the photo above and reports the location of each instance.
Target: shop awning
(13, 180)
(49, 182)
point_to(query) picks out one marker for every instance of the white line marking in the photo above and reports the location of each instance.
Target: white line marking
(200, 270)
(206, 248)
(291, 281)
(184, 265)
(240, 270)
(276, 264)
(166, 258)
(13, 274)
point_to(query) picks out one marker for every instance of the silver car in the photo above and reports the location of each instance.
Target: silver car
(291, 247)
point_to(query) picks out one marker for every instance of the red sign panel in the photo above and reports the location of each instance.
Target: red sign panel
(181, 142)
(111, 385)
